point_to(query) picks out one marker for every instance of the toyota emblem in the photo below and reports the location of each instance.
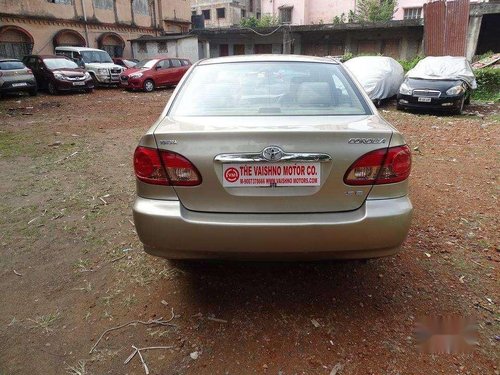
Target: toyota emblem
(272, 153)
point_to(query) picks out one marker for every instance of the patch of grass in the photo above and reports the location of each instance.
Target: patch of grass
(81, 265)
(45, 321)
(129, 300)
(78, 369)
(86, 288)
(488, 85)
(15, 144)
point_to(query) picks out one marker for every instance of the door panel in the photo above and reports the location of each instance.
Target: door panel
(162, 73)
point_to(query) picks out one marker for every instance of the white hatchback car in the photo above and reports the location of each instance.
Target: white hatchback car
(271, 157)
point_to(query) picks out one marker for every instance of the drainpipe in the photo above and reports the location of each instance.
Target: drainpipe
(155, 21)
(85, 20)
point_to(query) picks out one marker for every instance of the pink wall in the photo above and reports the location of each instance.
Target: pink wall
(317, 11)
(271, 7)
(323, 11)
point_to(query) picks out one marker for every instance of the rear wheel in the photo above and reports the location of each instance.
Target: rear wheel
(52, 89)
(148, 85)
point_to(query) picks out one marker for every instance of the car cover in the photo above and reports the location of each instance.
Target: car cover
(444, 67)
(380, 76)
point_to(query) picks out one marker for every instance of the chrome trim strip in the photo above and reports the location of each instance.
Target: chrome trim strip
(287, 156)
(427, 93)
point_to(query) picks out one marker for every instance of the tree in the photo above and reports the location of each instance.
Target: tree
(375, 10)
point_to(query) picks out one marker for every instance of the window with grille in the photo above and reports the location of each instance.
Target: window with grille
(143, 47)
(206, 14)
(15, 50)
(102, 4)
(412, 13)
(286, 15)
(141, 7)
(221, 12)
(162, 46)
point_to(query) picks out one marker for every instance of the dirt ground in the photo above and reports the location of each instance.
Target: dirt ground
(72, 266)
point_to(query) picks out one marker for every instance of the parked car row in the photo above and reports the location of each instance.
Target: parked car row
(82, 69)
(443, 83)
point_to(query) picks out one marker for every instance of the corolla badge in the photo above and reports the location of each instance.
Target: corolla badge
(272, 153)
(366, 141)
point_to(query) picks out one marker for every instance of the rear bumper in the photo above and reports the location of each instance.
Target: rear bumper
(10, 86)
(377, 228)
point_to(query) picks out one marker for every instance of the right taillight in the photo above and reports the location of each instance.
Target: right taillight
(383, 166)
(160, 167)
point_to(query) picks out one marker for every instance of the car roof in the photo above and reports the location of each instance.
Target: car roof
(8, 59)
(48, 56)
(268, 57)
(76, 49)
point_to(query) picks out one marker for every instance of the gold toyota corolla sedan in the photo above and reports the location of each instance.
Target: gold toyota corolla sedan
(271, 157)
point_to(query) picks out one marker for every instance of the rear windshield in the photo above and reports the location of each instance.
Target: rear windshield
(59, 64)
(11, 65)
(267, 89)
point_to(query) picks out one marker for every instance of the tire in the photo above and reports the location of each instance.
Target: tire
(467, 100)
(459, 110)
(94, 79)
(52, 89)
(33, 92)
(148, 85)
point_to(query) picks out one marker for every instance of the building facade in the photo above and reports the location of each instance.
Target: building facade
(225, 13)
(38, 27)
(307, 12)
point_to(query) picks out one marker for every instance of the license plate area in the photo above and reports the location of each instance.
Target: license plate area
(240, 175)
(424, 99)
(79, 83)
(19, 84)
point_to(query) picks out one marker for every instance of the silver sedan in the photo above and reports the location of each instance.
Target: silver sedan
(271, 157)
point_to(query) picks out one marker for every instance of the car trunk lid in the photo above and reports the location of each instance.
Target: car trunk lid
(216, 144)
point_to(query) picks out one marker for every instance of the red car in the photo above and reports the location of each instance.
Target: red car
(150, 74)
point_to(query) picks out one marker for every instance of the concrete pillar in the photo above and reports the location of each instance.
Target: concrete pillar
(297, 44)
(403, 47)
(348, 44)
(207, 49)
(473, 35)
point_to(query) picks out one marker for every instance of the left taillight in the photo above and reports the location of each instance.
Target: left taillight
(160, 167)
(383, 166)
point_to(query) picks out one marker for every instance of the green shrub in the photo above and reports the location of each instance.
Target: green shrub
(488, 84)
(264, 21)
(410, 64)
(374, 10)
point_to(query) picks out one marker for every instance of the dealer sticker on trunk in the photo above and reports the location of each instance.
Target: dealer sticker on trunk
(271, 174)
